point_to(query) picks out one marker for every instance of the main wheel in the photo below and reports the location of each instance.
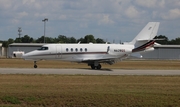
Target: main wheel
(99, 66)
(92, 66)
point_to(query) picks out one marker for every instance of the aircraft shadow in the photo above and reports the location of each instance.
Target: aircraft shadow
(96, 69)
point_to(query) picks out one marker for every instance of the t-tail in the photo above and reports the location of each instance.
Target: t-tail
(145, 39)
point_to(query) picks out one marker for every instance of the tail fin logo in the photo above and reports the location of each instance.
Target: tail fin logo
(144, 46)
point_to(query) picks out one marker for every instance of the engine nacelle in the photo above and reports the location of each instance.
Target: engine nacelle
(18, 54)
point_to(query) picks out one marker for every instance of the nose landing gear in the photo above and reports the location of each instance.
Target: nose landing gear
(35, 65)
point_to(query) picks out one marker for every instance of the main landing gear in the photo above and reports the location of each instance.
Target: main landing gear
(95, 66)
(35, 65)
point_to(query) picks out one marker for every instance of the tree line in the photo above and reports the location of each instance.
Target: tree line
(59, 39)
(88, 38)
(165, 41)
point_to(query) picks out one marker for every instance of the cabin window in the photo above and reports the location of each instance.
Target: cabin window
(86, 49)
(81, 49)
(71, 49)
(67, 49)
(76, 49)
(43, 48)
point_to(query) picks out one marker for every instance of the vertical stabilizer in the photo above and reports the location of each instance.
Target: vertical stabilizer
(146, 34)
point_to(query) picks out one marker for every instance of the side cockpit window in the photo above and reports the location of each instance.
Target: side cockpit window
(43, 48)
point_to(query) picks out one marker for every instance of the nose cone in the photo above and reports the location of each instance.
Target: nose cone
(18, 54)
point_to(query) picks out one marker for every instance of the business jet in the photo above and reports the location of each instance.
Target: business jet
(95, 54)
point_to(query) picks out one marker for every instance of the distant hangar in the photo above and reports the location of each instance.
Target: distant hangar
(164, 52)
(171, 52)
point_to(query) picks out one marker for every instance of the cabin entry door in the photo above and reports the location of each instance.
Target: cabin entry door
(58, 52)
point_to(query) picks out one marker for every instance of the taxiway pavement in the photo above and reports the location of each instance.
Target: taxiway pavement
(87, 71)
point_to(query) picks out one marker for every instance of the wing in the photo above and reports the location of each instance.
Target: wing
(109, 60)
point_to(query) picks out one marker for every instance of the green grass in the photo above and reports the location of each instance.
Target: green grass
(10, 99)
(87, 91)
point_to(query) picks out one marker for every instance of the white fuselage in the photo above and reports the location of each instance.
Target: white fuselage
(79, 52)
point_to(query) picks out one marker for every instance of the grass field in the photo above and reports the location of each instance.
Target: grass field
(87, 90)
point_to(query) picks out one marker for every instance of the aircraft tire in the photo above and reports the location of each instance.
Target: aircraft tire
(35, 66)
(99, 66)
(92, 66)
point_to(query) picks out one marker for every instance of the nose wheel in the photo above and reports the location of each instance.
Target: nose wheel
(35, 65)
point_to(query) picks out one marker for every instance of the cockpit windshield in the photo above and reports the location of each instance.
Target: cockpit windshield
(43, 48)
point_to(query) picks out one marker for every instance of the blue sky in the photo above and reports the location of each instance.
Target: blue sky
(107, 19)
